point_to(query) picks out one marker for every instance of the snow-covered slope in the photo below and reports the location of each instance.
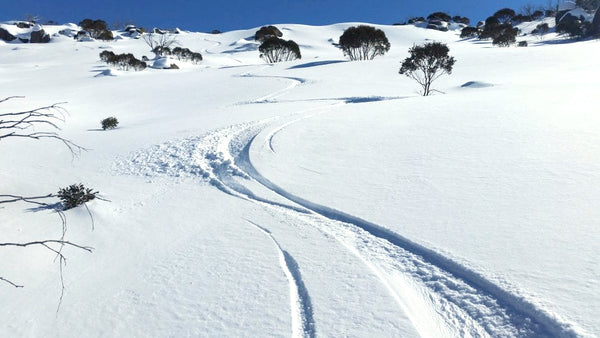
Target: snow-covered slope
(315, 197)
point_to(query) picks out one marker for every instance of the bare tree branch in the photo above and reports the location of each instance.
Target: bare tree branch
(23, 124)
(17, 124)
(11, 283)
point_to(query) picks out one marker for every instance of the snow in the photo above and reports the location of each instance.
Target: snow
(318, 197)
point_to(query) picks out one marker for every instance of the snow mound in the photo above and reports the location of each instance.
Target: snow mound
(476, 84)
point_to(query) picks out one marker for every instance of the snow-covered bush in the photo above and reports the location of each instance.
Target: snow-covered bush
(109, 123)
(363, 42)
(277, 50)
(75, 195)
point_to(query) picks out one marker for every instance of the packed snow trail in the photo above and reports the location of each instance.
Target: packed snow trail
(302, 318)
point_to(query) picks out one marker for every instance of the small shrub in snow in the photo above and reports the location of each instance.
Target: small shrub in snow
(106, 36)
(461, 19)
(469, 32)
(196, 58)
(106, 56)
(505, 35)
(522, 44)
(541, 29)
(96, 29)
(75, 195)
(439, 16)
(426, 63)
(267, 32)
(275, 50)
(416, 20)
(184, 54)
(161, 51)
(109, 123)
(363, 42)
(122, 61)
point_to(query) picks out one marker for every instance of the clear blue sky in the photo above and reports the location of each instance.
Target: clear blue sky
(226, 15)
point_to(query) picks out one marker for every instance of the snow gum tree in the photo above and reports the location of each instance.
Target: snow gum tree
(363, 42)
(277, 50)
(426, 63)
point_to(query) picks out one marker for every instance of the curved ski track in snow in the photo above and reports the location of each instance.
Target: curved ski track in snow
(303, 324)
(295, 81)
(465, 303)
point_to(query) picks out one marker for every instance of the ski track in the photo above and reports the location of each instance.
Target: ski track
(465, 302)
(303, 324)
(296, 81)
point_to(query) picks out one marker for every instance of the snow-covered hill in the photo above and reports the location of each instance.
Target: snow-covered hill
(318, 197)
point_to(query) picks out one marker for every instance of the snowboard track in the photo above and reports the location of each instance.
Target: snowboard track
(303, 324)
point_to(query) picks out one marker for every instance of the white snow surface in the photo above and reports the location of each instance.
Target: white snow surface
(319, 197)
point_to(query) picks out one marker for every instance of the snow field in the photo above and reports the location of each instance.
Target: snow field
(314, 198)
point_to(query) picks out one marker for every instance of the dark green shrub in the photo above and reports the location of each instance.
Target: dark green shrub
(276, 50)
(109, 123)
(196, 58)
(96, 28)
(75, 195)
(267, 32)
(416, 20)
(522, 44)
(161, 51)
(489, 28)
(504, 15)
(468, 32)
(363, 42)
(440, 16)
(107, 56)
(541, 29)
(106, 36)
(504, 35)
(461, 19)
(122, 61)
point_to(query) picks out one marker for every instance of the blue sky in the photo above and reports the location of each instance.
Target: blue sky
(226, 15)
